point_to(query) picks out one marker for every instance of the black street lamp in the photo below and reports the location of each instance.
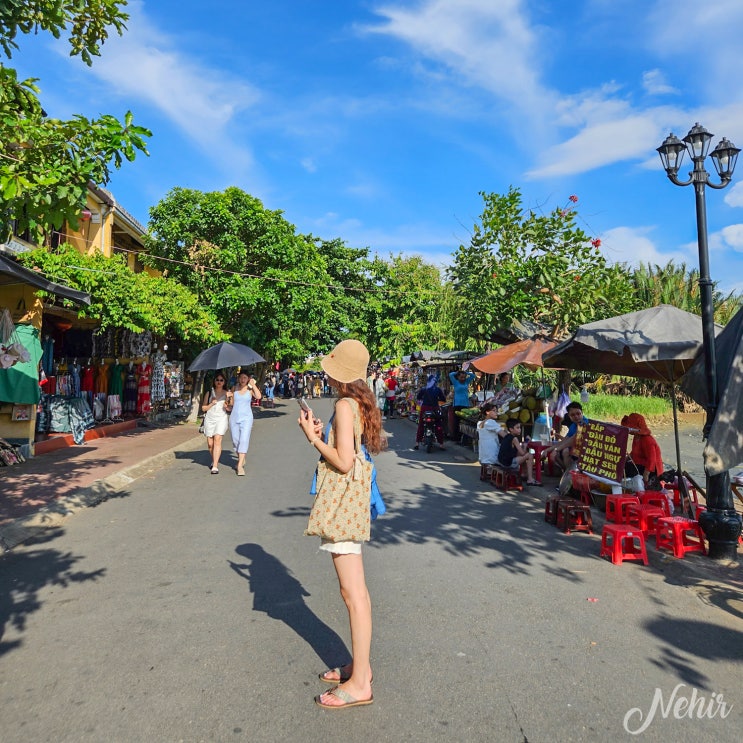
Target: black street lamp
(720, 522)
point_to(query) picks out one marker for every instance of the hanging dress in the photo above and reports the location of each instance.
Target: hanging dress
(87, 384)
(130, 391)
(144, 404)
(101, 378)
(158, 377)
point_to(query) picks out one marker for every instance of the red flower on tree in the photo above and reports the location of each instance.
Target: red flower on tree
(574, 199)
(595, 242)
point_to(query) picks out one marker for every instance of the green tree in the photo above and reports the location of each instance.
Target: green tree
(268, 285)
(526, 266)
(124, 299)
(677, 285)
(411, 307)
(47, 163)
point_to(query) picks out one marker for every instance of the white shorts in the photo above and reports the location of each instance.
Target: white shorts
(341, 548)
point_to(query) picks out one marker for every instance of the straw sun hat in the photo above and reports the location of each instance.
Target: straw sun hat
(347, 362)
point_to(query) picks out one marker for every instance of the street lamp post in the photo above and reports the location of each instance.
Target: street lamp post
(720, 522)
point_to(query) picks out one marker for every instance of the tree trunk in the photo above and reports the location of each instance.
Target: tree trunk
(198, 384)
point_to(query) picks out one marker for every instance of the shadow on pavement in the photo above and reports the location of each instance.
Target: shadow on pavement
(701, 639)
(46, 480)
(281, 596)
(23, 575)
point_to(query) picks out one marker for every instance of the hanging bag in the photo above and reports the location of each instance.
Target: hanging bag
(341, 509)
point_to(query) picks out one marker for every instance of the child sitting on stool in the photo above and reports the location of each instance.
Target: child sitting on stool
(513, 453)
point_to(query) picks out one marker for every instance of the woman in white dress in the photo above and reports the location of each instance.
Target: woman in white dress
(216, 419)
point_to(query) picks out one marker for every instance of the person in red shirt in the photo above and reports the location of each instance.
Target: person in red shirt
(391, 391)
(645, 453)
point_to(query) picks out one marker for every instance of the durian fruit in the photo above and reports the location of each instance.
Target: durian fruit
(525, 415)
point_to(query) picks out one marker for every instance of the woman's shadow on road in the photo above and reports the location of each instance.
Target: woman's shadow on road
(281, 596)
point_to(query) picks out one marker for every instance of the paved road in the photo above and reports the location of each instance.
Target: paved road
(192, 609)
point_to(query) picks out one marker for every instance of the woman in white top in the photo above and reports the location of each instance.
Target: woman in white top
(489, 433)
(216, 419)
(241, 418)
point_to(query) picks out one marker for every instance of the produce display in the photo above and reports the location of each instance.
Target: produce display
(524, 405)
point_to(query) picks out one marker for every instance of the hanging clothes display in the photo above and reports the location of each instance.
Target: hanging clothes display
(101, 378)
(130, 390)
(75, 374)
(144, 402)
(47, 359)
(158, 376)
(87, 383)
(113, 407)
(116, 383)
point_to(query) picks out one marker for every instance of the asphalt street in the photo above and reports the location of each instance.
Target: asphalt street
(191, 608)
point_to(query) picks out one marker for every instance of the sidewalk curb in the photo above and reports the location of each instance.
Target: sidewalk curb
(24, 528)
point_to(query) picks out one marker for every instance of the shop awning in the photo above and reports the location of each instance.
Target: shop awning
(12, 273)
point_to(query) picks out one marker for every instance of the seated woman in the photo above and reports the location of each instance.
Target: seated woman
(645, 452)
(489, 434)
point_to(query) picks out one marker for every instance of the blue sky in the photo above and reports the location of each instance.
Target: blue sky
(381, 121)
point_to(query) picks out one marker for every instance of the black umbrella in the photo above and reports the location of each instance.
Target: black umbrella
(225, 354)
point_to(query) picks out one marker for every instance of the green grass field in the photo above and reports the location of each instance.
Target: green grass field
(615, 407)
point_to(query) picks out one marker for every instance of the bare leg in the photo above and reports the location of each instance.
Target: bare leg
(215, 449)
(241, 461)
(350, 571)
(210, 444)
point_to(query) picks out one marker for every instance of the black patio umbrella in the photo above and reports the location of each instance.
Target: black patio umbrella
(225, 354)
(659, 343)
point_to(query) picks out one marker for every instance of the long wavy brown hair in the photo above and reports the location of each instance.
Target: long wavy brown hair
(371, 416)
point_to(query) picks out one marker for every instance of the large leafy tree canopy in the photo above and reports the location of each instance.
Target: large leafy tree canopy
(46, 163)
(412, 311)
(526, 266)
(268, 286)
(124, 299)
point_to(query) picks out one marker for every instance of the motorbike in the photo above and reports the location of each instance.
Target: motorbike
(430, 420)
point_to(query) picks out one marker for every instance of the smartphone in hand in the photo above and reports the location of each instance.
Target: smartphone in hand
(303, 404)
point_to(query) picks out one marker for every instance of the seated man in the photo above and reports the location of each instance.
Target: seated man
(512, 453)
(562, 452)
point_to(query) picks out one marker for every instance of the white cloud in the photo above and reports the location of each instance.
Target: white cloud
(490, 45)
(732, 236)
(145, 64)
(734, 197)
(308, 164)
(654, 82)
(598, 144)
(632, 245)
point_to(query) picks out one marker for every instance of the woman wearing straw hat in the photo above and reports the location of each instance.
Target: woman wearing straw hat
(356, 415)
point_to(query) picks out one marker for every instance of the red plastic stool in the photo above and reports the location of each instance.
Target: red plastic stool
(618, 544)
(654, 498)
(551, 506)
(574, 514)
(486, 471)
(679, 534)
(616, 506)
(644, 517)
(582, 483)
(507, 479)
